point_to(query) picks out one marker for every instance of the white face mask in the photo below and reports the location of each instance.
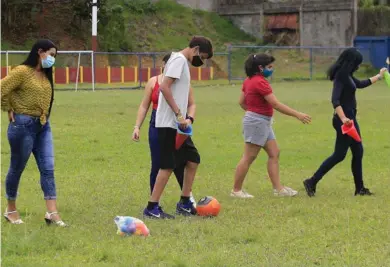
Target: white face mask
(48, 62)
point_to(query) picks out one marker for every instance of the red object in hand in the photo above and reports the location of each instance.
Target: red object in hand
(180, 139)
(182, 135)
(351, 131)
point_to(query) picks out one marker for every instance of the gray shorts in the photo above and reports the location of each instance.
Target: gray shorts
(257, 128)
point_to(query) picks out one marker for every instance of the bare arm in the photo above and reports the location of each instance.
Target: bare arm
(241, 102)
(284, 109)
(166, 90)
(191, 104)
(145, 104)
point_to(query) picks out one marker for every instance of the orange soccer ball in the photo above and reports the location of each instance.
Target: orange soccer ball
(208, 206)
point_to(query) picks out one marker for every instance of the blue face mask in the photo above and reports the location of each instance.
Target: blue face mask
(267, 72)
(48, 62)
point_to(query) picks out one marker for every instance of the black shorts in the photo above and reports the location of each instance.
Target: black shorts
(169, 156)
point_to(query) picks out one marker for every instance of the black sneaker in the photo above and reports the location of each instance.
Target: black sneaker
(187, 209)
(157, 213)
(310, 188)
(363, 192)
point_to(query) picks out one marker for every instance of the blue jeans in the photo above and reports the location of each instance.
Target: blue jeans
(27, 135)
(155, 155)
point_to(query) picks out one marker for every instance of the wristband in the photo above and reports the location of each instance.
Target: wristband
(191, 119)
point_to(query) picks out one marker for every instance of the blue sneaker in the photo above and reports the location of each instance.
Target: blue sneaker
(187, 209)
(157, 213)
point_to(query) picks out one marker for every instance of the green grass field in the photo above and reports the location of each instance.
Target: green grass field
(101, 173)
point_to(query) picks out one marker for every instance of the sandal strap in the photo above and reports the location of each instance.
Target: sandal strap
(10, 212)
(17, 221)
(51, 213)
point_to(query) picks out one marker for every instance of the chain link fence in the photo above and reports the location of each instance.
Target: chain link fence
(88, 70)
(292, 63)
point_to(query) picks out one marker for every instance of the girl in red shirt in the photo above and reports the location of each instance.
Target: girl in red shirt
(258, 101)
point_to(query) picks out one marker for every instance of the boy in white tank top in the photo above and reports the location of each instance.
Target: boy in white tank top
(173, 102)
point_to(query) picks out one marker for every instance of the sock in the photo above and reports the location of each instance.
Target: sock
(184, 200)
(151, 205)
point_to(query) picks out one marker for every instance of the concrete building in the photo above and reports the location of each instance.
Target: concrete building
(315, 22)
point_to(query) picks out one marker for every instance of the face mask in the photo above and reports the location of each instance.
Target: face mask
(267, 72)
(48, 62)
(197, 61)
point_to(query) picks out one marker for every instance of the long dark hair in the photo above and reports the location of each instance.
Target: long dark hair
(33, 60)
(253, 62)
(347, 63)
(166, 58)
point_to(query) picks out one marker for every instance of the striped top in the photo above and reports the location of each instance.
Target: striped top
(24, 92)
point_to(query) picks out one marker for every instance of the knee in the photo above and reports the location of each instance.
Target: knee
(358, 152)
(274, 156)
(248, 159)
(17, 166)
(338, 157)
(15, 172)
(46, 164)
(192, 165)
(47, 174)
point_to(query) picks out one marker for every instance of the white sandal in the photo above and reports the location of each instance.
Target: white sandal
(49, 220)
(6, 213)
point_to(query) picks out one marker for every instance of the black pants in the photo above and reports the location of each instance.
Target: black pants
(343, 143)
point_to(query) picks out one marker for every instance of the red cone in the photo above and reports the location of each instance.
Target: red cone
(351, 131)
(180, 139)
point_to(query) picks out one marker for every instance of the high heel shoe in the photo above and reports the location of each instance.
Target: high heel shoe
(6, 213)
(49, 220)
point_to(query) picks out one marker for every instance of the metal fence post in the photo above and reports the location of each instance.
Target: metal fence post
(311, 63)
(229, 63)
(7, 63)
(93, 71)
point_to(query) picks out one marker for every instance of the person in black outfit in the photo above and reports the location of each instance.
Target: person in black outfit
(344, 103)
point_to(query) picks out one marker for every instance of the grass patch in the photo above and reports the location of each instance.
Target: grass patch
(101, 173)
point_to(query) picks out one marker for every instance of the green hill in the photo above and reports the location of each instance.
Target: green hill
(166, 25)
(142, 26)
(125, 25)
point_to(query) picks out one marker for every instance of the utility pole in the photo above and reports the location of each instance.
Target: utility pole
(94, 24)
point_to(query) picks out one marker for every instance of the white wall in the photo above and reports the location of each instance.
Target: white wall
(208, 5)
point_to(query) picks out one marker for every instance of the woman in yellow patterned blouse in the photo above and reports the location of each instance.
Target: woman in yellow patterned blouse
(27, 96)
